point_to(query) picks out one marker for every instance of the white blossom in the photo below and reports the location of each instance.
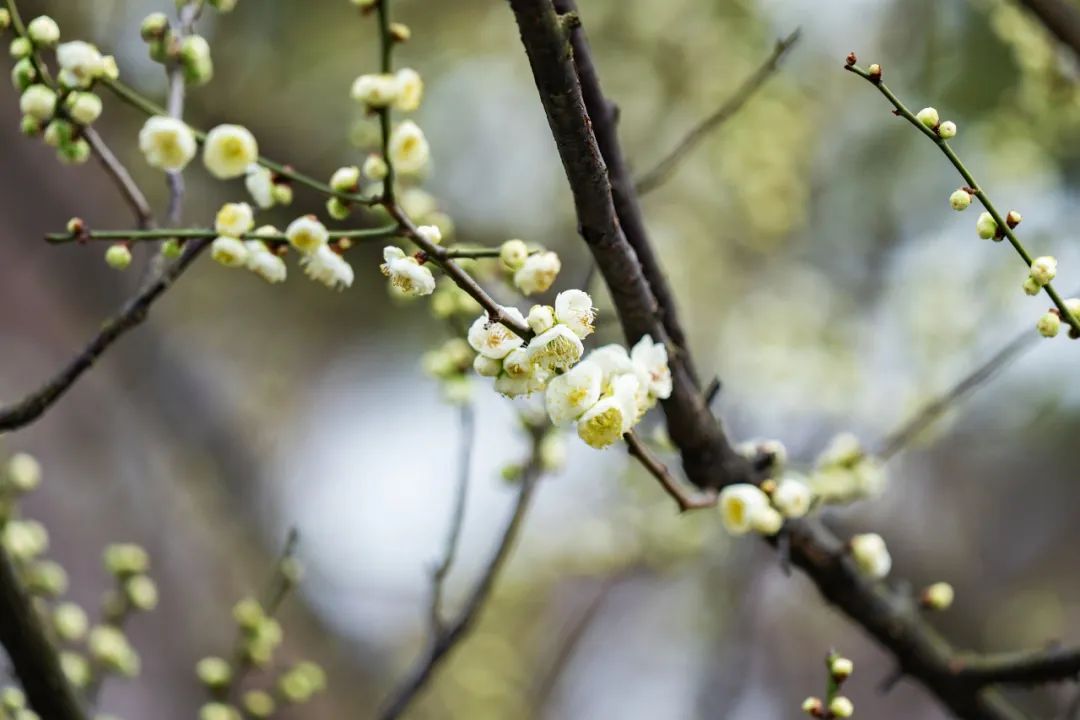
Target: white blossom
(260, 185)
(651, 362)
(870, 555)
(740, 506)
(487, 367)
(263, 262)
(375, 90)
(406, 273)
(1044, 269)
(408, 149)
(229, 150)
(537, 273)
(80, 63)
(307, 234)
(229, 251)
(495, 340)
(326, 266)
(574, 309)
(234, 219)
(792, 498)
(571, 394)
(167, 143)
(557, 349)
(43, 31)
(430, 233)
(410, 90)
(541, 318)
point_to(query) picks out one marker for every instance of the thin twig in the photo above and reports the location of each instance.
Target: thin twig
(1003, 227)
(902, 436)
(671, 486)
(130, 315)
(663, 170)
(144, 214)
(175, 106)
(457, 516)
(451, 633)
(386, 231)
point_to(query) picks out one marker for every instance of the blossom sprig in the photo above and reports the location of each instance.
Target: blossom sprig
(835, 705)
(991, 224)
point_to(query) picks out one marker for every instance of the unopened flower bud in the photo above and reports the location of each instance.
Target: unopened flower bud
(871, 555)
(23, 74)
(345, 179)
(5, 19)
(283, 194)
(259, 704)
(986, 226)
(126, 559)
(20, 48)
(841, 668)
(929, 117)
(375, 168)
(513, 254)
(141, 592)
(218, 711)
(43, 31)
(841, 707)
(875, 72)
(337, 208)
(960, 200)
(947, 130)
(1049, 324)
(23, 473)
(70, 622)
(1013, 218)
(118, 256)
(171, 248)
(154, 26)
(938, 596)
(813, 707)
(400, 32)
(1043, 269)
(213, 672)
(1031, 287)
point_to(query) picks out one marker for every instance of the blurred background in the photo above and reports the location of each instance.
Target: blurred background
(817, 263)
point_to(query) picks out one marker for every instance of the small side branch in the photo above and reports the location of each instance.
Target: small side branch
(664, 169)
(32, 654)
(144, 215)
(133, 312)
(1028, 667)
(447, 636)
(685, 500)
(457, 517)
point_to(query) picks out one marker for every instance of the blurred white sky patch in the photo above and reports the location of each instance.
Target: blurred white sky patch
(499, 125)
(370, 483)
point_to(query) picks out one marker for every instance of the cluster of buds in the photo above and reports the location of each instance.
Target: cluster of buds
(928, 116)
(844, 472)
(450, 364)
(190, 53)
(58, 110)
(532, 272)
(835, 705)
(746, 508)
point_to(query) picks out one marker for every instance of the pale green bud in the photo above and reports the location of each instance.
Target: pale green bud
(84, 107)
(259, 704)
(1049, 324)
(841, 668)
(938, 596)
(1031, 286)
(23, 74)
(118, 256)
(43, 31)
(46, 578)
(75, 152)
(76, 668)
(1044, 269)
(23, 473)
(141, 592)
(25, 539)
(125, 559)
(813, 706)
(70, 621)
(929, 117)
(218, 711)
(345, 179)
(5, 19)
(110, 647)
(1013, 218)
(172, 248)
(248, 613)
(841, 707)
(986, 226)
(296, 687)
(30, 126)
(20, 48)
(12, 699)
(38, 101)
(513, 254)
(960, 200)
(196, 60)
(214, 672)
(58, 133)
(337, 209)
(283, 194)
(375, 168)
(947, 130)
(154, 26)
(223, 6)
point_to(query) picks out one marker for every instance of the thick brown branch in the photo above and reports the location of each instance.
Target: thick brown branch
(133, 312)
(1060, 17)
(664, 169)
(31, 652)
(1026, 667)
(708, 457)
(448, 635)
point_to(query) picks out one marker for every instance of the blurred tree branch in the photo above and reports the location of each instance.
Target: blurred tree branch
(1026, 667)
(1060, 18)
(665, 168)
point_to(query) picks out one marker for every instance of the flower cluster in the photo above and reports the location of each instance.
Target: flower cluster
(58, 110)
(929, 117)
(845, 472)
(532, 273)
(407, 274)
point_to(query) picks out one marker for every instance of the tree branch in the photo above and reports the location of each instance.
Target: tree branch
(708, 457)
(1025, 667)
(457, 516)
(131, 314)
(1060, 18)
(144, 214)
(663, 170)
(32, 654)
(447, 636)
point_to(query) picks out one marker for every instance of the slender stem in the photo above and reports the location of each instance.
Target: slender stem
(149, 107)
(984, 199)
(457, 517)
(685, 500)
(177, 94)
(386, 64)
(385, 231)
(663, 170)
